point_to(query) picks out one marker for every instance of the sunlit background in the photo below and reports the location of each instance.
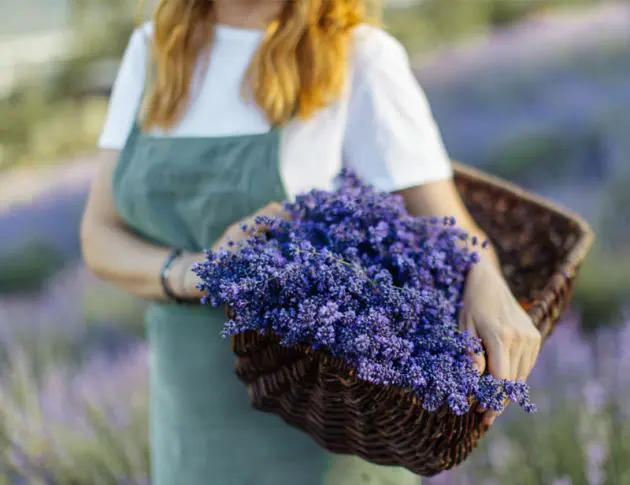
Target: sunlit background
(536, 91)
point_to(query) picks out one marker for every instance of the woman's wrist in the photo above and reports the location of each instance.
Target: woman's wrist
(486, 252)
(182, 280)
(166, 275)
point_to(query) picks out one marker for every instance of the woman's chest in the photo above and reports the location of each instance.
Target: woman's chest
(185, 191)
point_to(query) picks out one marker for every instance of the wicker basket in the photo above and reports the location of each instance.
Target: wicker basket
(541, 247)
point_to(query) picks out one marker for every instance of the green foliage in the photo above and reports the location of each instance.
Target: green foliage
(505, 12)
(42, 352)
(525, 157)
(53, 119)
(615, 214)
(28, 267)
(432, 22)
(103, 302)
(553, 446)
(78, 446)
(103, 28)
(562, 455)
(603, 289)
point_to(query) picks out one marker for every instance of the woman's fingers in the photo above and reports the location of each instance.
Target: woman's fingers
(252, 223)
(467, 324)
(273, 209)
(525, 363)
(244, 228)
(499, 359)
(512, 352)
(519, 356)
(530, 354)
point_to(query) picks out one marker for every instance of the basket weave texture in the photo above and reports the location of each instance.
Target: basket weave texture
(541, 248)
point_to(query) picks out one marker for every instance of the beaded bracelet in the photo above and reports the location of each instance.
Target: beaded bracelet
(166, 269)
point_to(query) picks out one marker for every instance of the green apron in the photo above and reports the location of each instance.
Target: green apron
(184, 192)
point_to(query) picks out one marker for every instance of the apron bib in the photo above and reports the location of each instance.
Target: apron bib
(184, 192)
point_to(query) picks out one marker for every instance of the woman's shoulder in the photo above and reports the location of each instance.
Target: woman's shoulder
(136, 55)
(375, 47)
(142, 34)
(146, 28)
(140, 41)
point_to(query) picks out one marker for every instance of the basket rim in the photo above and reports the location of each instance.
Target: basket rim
(349, 371)
(535, 199)
(567, 267)
(557, 288)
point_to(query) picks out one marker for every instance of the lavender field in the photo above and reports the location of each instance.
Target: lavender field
(545, 103)
(73, 401)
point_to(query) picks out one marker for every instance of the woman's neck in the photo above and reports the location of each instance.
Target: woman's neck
(247, 14)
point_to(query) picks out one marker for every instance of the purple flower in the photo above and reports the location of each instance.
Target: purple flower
(563, 481)
(595, 458)
(355, 275)
(594, 396)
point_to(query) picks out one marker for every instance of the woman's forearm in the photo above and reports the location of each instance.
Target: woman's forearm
(488, 254)
(115, 254)
(442, 199)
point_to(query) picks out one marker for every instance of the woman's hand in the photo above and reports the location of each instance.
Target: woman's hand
(235, 232)
(184, 281)
(491, 312)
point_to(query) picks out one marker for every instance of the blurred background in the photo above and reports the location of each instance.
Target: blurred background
(536, 91)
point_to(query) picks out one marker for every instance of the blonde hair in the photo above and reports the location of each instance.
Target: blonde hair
(299, 68)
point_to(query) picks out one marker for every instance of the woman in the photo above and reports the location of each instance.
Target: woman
(246, 104)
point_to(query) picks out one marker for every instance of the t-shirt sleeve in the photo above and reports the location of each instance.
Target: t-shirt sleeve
(127, 92)
(391, 139)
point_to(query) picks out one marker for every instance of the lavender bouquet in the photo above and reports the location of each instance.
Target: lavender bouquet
(352, 274)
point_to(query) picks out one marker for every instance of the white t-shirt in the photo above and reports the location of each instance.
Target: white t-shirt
(381, 127)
